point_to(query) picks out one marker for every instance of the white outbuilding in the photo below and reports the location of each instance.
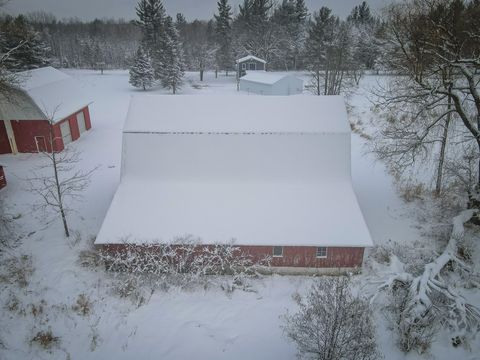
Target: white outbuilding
(271, 83)
(274, 174)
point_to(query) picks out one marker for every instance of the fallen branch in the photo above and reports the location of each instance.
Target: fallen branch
(429, 295)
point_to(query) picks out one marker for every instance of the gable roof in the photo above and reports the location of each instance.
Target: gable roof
(250, 57)
(209, 114)
(274, 171)
(44, 93)
(263, 77)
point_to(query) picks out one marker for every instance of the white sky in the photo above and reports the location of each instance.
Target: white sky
(201, 9)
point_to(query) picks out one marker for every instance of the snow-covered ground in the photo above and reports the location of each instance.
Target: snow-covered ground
(178, 324)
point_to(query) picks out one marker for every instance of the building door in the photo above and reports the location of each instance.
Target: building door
(82, 127)
(65, 130)
(41, 144)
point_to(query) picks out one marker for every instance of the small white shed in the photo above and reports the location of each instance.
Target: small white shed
(270, 83)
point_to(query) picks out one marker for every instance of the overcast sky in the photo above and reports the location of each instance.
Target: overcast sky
(200, 9)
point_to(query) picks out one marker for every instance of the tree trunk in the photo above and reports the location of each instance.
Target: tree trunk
(201, 74)
(216, 73)
(318, 83)
(441, 160)
(59, 193)
(478, 142)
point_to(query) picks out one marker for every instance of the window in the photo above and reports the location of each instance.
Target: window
(252, 66)
(277, 251)
(244, 66)
(321, 252)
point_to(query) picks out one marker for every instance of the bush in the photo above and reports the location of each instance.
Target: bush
(16, 270)
(185, 263)
(332, 324)
(45, 339)
(83, 305)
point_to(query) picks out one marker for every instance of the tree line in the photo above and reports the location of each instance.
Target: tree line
(285, 34)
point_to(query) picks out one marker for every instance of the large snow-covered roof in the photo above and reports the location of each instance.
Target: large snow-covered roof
(250, 57)
(147, 211)
(54, 94)
(230, 114)
(264, 77)
(268, 171)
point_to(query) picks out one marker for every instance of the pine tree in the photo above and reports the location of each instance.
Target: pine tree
(223, 30)
(173, 63)
(328, 52)
(151, 14)
(142, 74)
(32, 54)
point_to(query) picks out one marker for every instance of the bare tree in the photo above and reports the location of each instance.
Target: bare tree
(332, 324)
(57, 180)
(434, 46)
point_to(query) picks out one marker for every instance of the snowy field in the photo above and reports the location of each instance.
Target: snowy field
(178, 324)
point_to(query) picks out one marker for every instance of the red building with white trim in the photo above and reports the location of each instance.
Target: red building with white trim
(48, 110)
(273, 174)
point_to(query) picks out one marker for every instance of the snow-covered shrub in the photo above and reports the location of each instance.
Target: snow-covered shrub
(83, 305)
(89, 258)
(331, 323)
(421, 299)
(38, 310)
(8, 238)
(380, 253)
(16, 270)
(184, 262)
(45, 339)
(410, 335)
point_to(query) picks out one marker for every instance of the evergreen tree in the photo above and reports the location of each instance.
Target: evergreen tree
(151, 14)
(173, 63)
(365, 27)
(328, 53)
(142, 74)
(224, 56)
(31, 54)
(290, 18)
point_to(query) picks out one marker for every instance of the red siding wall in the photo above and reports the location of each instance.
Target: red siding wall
(4, 143)
(305, 256)
(293, 256)
(74, 130)
(25, 132)
(3, 179)
(86, 113)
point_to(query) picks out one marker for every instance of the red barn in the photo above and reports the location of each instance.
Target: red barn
(274, 175)
(3, 179)
(48, 109)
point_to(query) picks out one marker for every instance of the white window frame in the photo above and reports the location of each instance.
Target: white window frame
(37, 140)
(273, 251)
(254, 66)
(317, 251)
(244, 66)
